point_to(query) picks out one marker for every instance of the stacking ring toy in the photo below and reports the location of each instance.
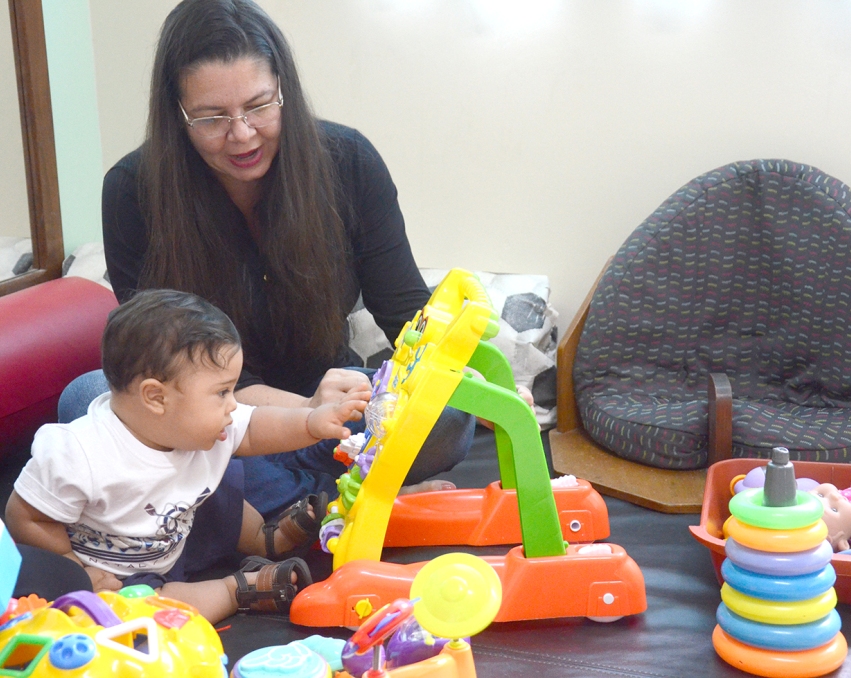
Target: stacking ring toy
(779, 564)
(749, 507)
(804, 664)
(801, 587)
(778, 612)
(782, 541)
(790, 638)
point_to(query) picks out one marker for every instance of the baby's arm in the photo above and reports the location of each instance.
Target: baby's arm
(28, 525)
(277, 429)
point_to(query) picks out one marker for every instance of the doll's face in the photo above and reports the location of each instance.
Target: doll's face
(837, 515)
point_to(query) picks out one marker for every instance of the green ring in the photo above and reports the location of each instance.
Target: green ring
(748, 507)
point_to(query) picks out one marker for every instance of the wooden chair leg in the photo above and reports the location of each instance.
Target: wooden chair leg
(720, 418)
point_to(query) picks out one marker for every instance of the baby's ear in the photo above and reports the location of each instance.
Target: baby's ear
(152, 395)
(841, 544)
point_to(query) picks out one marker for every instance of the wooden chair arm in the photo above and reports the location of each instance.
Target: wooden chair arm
(720, 396)
(567, 412)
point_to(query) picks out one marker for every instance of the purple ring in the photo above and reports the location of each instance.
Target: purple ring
(783, 564)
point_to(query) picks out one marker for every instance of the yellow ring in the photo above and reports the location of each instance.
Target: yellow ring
(778, 611)
(801, 664)
(776, 541)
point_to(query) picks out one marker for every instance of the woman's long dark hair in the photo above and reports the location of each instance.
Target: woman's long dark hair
(301, 235)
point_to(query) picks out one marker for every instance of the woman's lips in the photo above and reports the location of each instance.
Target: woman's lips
(246, 160)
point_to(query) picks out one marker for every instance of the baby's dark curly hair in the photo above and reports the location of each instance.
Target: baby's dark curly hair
(157, 331)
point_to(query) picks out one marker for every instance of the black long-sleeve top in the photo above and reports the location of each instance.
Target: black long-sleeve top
(384, 269)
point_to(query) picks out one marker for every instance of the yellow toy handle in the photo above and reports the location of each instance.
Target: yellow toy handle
(457, 287)
(427, 366)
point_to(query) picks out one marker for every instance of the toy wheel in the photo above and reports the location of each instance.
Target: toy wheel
(459, 595)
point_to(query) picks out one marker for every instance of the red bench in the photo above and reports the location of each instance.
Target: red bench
(49, 334)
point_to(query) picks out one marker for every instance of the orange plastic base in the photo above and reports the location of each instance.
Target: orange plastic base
(573, 585)
(716, 500)
(772, 664)
(489, 516)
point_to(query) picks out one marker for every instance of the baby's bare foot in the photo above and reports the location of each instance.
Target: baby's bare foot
(428, 486)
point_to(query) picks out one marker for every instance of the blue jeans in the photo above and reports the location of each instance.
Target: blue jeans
(276, 481)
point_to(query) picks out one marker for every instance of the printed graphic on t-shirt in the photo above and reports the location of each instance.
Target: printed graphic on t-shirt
(176, 517)
(173, 523)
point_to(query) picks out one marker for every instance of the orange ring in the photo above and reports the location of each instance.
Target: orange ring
(776, 541)
(775, 664)
(733, 482)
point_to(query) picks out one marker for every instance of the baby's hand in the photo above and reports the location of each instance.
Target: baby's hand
(326, 421)
(102, 580)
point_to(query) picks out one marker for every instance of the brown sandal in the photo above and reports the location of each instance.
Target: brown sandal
(296, 524)
(273, 590)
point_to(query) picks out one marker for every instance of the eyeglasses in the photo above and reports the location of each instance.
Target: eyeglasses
(219, 125)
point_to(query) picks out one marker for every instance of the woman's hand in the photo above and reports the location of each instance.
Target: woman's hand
(336, 384)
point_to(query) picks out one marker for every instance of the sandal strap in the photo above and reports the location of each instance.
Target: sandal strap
(273, 590)
(242, 588)
(300, 527)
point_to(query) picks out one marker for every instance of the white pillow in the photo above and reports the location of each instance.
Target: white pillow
(527, 333)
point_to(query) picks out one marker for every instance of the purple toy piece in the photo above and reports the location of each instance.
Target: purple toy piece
(330, 531)
(756, 478)
(410, 644)
(89, 603)
(364, 461)
(379, 378)
(358, 664)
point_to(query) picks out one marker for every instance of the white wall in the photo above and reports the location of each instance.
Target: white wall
(79, 158)
(534, 136)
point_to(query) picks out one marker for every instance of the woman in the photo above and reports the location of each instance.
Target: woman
(239, 194)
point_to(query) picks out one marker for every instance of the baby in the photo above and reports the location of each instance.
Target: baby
(116, 490)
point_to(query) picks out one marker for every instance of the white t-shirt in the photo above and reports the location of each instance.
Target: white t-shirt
(127, 507)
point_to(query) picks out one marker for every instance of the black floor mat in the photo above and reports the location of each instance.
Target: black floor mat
(672, 639)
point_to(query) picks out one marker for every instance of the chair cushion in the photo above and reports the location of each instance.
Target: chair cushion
(746, 271)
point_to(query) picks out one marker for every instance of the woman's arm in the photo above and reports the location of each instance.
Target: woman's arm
(391, 284)
(125, 238)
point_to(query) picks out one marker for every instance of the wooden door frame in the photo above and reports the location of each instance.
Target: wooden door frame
(30, 50)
